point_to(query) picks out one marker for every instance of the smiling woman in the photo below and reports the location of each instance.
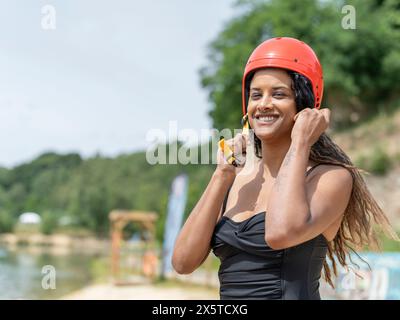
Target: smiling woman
(275, 224)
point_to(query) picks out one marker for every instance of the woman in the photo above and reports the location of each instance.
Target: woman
(300, 201)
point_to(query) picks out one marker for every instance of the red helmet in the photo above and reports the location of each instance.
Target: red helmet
(286, 53)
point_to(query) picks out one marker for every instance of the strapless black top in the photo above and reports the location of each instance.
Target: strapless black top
(250, 269)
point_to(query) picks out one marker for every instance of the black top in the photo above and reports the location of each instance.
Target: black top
(250, 269)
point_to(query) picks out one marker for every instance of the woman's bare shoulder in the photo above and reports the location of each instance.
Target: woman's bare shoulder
(338, 173)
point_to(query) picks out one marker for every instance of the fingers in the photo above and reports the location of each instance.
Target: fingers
(238, 143)
(235, 149)
(302, 112)
(325, 112)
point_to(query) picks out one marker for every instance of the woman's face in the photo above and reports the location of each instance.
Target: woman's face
(271, 106)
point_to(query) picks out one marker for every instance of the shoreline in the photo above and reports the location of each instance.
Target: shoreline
(55, 243)
(143, 290)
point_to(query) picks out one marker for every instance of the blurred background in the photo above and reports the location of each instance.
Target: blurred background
(82, 83)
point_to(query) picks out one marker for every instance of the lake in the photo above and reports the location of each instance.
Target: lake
(21, 272)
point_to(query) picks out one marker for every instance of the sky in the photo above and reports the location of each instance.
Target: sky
(97, 75)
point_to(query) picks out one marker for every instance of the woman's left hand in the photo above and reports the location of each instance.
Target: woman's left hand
(310, 124)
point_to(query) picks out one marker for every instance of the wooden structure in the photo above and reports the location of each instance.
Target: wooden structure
(147, 223)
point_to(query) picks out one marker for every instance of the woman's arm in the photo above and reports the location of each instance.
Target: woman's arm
(297, 211)
(193, 243)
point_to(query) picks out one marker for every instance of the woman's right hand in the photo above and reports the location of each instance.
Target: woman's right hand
(238, 146)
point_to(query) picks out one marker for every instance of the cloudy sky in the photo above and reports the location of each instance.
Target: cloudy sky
(108, 73)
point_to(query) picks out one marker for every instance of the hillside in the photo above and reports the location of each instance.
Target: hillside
(375, 147)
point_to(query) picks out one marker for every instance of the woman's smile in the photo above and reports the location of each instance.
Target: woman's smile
(266, 120)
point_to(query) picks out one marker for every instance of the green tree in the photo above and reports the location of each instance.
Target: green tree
(49, 221)
(87, 190)
(361, 66)
(6, 221)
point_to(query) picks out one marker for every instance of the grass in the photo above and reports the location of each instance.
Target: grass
(100, 269)
(389, 245)
(373, 144)
(376, 161)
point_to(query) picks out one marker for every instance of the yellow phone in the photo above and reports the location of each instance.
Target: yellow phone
(226, 150)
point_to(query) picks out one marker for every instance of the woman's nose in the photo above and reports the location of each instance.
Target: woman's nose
(265, 103)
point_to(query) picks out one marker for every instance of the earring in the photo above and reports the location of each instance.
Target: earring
(245, 124)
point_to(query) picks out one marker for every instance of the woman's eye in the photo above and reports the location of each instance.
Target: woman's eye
(279, 94)
(255, 96)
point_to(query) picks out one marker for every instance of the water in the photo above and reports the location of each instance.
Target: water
(21, 272)
(378, 281)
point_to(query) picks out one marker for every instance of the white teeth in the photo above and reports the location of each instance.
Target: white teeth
(267, 119)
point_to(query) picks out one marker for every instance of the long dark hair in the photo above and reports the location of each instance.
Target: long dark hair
(356, 230)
